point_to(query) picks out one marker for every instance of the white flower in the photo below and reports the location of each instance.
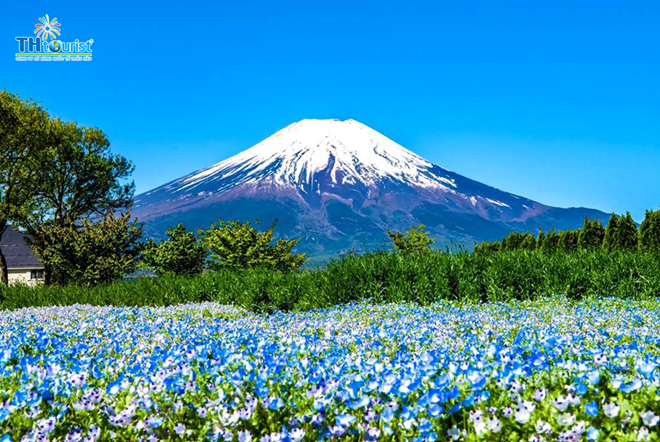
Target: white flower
(373, 433)
(516, 387)
(244, 436)
(540, 394)
(494, 424)
(543, 427)
(643, 433)
(46, 425)
(180, 429)
(479, 426)
(522, 414)
(296, 434)
(650, 418)
(566, 419)
(611, 409)
(573, 399)
(475, 414)
(531, 406)
(579, 428)
(561, 403)
(454, 433)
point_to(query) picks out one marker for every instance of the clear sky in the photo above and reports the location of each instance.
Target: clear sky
(556, 101)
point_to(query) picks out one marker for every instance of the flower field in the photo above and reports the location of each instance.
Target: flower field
(542, 370)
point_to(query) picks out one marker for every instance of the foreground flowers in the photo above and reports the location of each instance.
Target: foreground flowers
(547, 370)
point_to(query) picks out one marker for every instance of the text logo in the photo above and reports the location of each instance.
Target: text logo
(38, 48)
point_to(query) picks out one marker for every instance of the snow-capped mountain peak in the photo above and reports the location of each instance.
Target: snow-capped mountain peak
(340, 185)
(348, 152)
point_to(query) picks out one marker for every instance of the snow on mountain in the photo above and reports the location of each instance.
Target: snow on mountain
(340, 185)
(351, 151)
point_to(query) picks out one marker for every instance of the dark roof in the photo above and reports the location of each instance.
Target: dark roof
(17, 252)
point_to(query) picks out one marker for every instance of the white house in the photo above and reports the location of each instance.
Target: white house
(22, 264)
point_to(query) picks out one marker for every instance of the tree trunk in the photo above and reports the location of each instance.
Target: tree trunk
(48, 275)
(4, 271)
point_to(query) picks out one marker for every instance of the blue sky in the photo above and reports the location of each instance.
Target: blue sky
(556, 101)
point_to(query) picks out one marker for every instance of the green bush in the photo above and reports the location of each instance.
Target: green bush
(378, 277)
(649, 232)
(415, 240)
(93, 252)
(236, 245)
(179, 254)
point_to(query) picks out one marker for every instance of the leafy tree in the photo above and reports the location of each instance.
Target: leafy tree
(649, 232)
(528, 242)
(591, 235)
(518, 241)
(487, 247)
(180, 254)
(627, 234)
(540, 239)
(55, 173)
(551, 242)
(621, 234)
(23, 132)
(413, 240)
(236, 245)
(78, 177)
(508, 242)
(610, 241)
(511, 242)
(92, 252)
(568, 240)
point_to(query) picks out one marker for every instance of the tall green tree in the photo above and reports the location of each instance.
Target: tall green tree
(487, 247)
(591, 235)
(649, 232)
(78, 177)
(528, 242)
(24, 131)
(627, 235)
(611, 238)
(236, 245)
(551, 242)
(74, 175)
(413, 240)
(540, 239)
(568, 240)
(179, 254)
(93, 252)
(513, 242)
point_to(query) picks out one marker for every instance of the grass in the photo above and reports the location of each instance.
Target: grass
(378, 277)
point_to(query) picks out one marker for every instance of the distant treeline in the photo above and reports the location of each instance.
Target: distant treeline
(620, 235)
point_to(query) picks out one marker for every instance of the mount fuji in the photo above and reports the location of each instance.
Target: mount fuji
(340, 185)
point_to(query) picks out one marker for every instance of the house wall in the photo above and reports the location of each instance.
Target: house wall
(22, 276)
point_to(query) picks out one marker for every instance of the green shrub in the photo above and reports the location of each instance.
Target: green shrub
(236, 245)
(415, 240)
(93, 252)
(649, 232)
(379, 277)
(179, 254)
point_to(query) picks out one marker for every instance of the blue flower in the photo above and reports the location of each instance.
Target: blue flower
(592, 434)
(631, 386)
(591, 409)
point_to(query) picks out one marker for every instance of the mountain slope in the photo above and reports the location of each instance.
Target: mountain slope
(340, 185)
